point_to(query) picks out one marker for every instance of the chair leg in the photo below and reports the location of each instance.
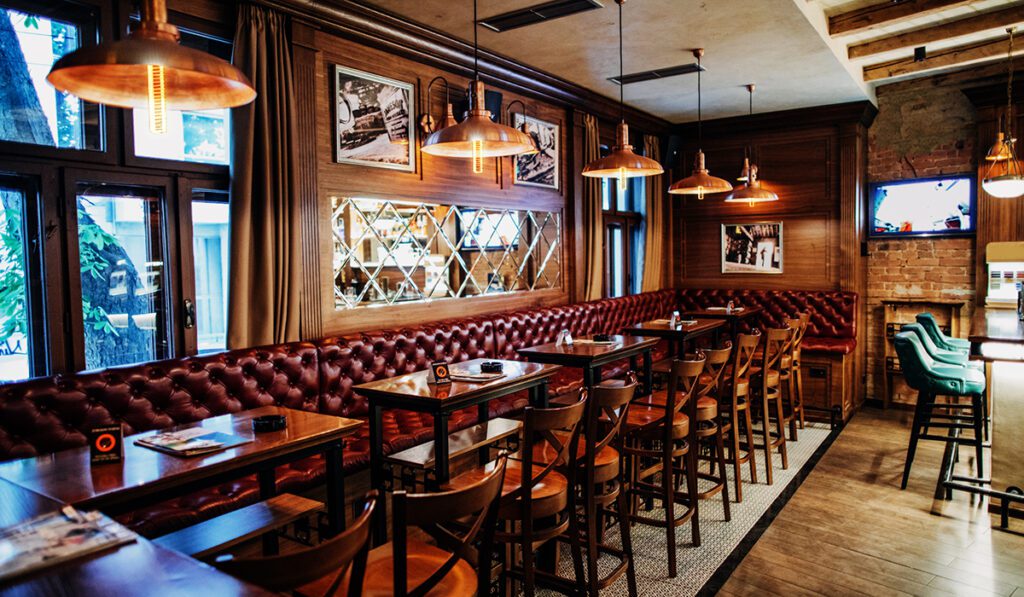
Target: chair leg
(979, 425)
(576, 536)
(668, 496)
(691, 488)
(751, 452)
(627, 541)
(800, 394)
(766, 431)
(720, 449)
(791, 398)
(919, 412)
(529, 573)
(782, 431)
(592, 520)
(734, 443)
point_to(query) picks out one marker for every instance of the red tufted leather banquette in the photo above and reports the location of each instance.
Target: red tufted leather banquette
(50, 414)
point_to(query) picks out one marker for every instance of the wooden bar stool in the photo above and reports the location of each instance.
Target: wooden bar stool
(767, 383)
(710, 430)
(319, 570)
(735, 397)
(542, 507)
(599, 483)
(656, 439)
(790, 378)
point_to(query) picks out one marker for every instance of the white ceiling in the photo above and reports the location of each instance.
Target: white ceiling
(772, 43)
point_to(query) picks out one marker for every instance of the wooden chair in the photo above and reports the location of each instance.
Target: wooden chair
(735, 397)
(336, 561)
(657, 437)
(767, 382)
(543, 506)
(454, 520)
(791, 383)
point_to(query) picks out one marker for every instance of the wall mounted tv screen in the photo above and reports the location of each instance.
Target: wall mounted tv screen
(923, 207)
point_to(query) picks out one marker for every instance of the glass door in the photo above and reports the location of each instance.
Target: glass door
(22, 341)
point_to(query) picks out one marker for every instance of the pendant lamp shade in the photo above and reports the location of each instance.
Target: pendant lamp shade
(1005, 175)
(151, 70)
(622, 163)
(477, 136)
(700, 183)
(752, 192)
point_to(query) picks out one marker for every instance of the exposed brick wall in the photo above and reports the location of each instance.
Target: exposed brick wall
(924, 127)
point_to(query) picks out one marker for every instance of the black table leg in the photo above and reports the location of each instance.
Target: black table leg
(380, 523)
(648, 373)
(335, 489)
(441, 448)
(267, 481)
(588, 376)
(483, 413)
(539, 395)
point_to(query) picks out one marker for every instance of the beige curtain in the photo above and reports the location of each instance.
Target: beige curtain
(654, 238)
(593, 219)
(263, 294)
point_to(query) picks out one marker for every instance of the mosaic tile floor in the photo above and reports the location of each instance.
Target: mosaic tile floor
(718, 538)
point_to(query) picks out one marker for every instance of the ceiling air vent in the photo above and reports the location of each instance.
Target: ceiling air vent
(658, 73)
(538, 14)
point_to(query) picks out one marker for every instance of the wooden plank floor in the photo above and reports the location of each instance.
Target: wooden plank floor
(849, 530)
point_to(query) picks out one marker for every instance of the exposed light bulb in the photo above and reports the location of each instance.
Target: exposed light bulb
(157, 99)
(623, 182)
(700, 193)
(478, 158)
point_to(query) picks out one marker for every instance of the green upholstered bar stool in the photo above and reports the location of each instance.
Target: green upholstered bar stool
(950, 357)
(931, 327)
(932, 379)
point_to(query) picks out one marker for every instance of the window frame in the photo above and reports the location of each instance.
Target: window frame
(188, 338)
(101, 29)
(632, 223)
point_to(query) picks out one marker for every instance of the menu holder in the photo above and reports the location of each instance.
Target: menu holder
(476, 377)
(196, 441)
(55, 538)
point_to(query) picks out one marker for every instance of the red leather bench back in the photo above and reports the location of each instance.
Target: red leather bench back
(833, 312)
(49, 414)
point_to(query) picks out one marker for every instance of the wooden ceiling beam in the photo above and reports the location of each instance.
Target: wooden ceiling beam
(885, 13)
(1004, 17)
(950, 57)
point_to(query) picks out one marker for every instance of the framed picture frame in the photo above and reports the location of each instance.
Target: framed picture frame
(541, 169)
(752, 248)
(373, 120)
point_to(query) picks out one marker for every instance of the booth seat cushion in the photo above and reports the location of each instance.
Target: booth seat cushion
(833, 345)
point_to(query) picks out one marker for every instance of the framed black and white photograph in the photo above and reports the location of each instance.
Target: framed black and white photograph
(539, 169)
(754, 248)
(374, 120)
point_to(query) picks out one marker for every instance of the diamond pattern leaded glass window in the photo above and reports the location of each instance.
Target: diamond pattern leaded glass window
(388, 252)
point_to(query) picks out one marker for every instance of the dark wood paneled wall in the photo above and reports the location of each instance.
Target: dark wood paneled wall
(815, 160)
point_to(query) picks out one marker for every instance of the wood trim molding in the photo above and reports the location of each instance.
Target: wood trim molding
(862, 112)
(383, 30)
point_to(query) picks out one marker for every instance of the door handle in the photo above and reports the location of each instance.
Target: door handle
(190, 314)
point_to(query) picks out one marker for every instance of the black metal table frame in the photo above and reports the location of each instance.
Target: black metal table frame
(731, 319)
(441, 410)
(591, 366)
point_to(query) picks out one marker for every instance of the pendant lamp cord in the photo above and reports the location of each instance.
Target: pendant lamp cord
(476, 44)
(750, 112)
(622, 84)
(1009, 85)
(700, 132)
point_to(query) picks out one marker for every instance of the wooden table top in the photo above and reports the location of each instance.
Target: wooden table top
(68, 477)
(584, 350)
(413, 390)
(721, 313)
(682, 331)
(996, 325)
(139, 568)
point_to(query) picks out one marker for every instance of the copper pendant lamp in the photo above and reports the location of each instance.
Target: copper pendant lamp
(752, 192)
(700, 183)
(745, 172)
(477, 136)
(622, 163)
(151, 70)
(1005, 175)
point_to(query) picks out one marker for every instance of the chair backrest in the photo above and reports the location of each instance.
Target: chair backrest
(558, 430)
(776, 343)
(914, 360)
(433, 512)
(715, 361)
(607, 408)
(331, 557)
(742, 358)
(936, 352)
(798, 338)
(797, 329)
(931, 327)
(682, 385)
